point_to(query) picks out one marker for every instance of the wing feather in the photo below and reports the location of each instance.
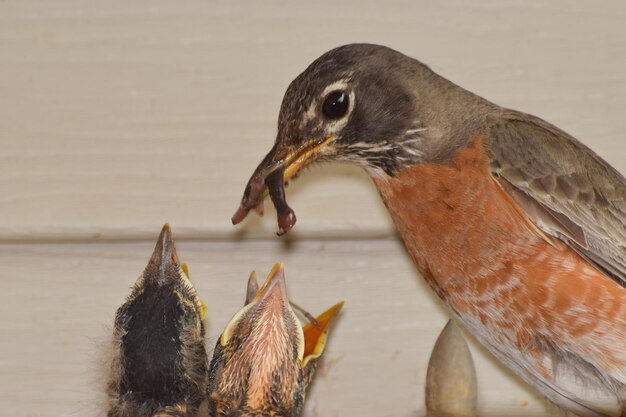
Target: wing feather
(567, 190)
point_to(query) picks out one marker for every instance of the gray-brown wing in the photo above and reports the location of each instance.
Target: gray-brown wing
(567, 190)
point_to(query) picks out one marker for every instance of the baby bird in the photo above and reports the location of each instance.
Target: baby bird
(159, 366)
(264, 360)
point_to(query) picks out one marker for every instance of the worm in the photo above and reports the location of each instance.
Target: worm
(252, 199)
(285, 215)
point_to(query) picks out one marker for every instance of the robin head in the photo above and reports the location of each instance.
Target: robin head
(265, 358)
(369, 105)
(160, 366)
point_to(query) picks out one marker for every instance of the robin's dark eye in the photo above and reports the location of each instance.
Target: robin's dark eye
(336, 104)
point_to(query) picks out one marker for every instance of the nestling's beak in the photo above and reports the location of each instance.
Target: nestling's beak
(280, 165)
(164, 266)
(164, 258)
(315, 334)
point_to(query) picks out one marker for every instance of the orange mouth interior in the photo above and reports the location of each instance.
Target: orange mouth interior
(314, 336)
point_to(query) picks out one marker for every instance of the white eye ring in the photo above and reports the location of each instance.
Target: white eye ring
(315, 112)
(342, 84)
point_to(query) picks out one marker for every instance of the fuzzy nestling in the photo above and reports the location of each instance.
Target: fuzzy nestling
(265, 359)
(160, 364)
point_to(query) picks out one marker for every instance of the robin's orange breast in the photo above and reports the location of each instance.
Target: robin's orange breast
(506, 280)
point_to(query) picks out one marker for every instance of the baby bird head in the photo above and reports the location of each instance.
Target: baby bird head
(265, 359)
(160, 366)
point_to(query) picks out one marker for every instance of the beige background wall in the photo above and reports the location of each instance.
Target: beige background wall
(118, 116)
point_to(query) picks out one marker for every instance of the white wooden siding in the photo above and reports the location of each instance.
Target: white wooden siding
(118, 116)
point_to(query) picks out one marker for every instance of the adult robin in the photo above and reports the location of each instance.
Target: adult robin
(515, 224)
(160, 364)
(265, 359)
